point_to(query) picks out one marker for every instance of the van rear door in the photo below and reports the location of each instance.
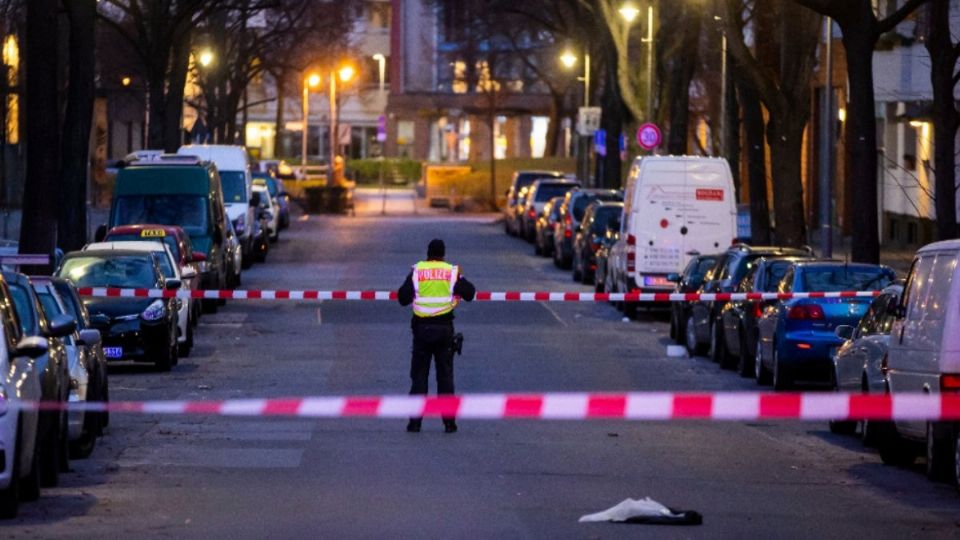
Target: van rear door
(659, 197)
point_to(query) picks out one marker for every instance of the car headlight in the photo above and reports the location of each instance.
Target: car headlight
(155, 311)
(240, 224)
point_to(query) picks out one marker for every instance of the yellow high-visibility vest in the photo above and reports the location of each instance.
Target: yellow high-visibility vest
(433, 283)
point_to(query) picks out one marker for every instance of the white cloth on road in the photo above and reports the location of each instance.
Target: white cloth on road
(629, 508)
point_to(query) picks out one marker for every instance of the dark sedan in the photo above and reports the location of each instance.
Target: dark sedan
(543, 241)
(689, 281)
(572, 210)
(141, 329)
(739, 318)
(598, 217)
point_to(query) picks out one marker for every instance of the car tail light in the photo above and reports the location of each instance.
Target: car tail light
(567, 233)
(734, 242)
(757, 310)
(631, 253)
(950, 382)
(533, 213)
(807, 312)
(804, 346)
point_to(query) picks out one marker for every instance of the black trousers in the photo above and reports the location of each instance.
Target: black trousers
(432, 342)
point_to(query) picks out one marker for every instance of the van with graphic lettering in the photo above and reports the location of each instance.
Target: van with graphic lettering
(675, 207)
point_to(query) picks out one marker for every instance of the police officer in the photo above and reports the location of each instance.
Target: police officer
(434, 287)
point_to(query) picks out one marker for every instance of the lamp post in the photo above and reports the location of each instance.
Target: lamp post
(345, 73)
(382, 64)
(568, 59)
(649, 41)
(382, 61)
(310, 81)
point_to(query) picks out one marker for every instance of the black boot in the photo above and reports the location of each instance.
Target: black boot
(413, 426)
(449, 426)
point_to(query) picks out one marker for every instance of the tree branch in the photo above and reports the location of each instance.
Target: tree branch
(891, 21)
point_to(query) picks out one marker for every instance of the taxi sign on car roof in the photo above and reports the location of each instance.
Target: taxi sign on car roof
(153, 233)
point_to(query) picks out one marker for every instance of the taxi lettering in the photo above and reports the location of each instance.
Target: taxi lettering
(153, 233)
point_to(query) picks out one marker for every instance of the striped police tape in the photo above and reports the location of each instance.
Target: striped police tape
(507, 296)
(742, 406)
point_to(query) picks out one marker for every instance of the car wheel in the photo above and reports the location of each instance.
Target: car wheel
(10, 496)
(577, 269)
(956, 457)
(690, 338)
(893, 449)
(781, 379)
(940, 452)
(630, 309)
(536, 248)
(743, 362)
(760, 372)
(842, 427)
(275, 238)
(83, 447)
(163, 358)
(673, 324)
(718, 347)
(50, 448)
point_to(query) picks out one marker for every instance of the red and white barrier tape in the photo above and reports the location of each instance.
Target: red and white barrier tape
(740, 406)
(508, 296)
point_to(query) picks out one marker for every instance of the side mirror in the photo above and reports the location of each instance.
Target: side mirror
(198, 256)
(90, 337)
(32, 347)
(675, 278)
(101, 233)
(99, 319)
(62, 325)
(844, 332)
(171, 284)
(188, 273)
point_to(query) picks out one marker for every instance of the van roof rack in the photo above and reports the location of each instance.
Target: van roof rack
(168, 159)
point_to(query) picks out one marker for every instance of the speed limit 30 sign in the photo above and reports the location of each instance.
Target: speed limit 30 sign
(649, 136)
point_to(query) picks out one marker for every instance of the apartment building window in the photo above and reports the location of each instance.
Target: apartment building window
(379, 14)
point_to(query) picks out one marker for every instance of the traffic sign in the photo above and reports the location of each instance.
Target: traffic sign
(382, 128)
(600, 142)
(588, 120)
(649, 136)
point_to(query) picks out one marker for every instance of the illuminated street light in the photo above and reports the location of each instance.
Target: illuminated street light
(568, 59)
(313, 80)
(346, 73)
(206, 57)
(629, 12)
(126, 81)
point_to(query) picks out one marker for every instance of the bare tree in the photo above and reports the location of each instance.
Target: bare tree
(785, 91)
(861, 29)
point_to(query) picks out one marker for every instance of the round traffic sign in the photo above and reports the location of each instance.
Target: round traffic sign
(649, 136)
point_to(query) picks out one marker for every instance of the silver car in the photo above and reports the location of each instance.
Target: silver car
(858, 364)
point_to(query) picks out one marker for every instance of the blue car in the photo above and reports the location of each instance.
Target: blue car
(796, 337)
(279, 195)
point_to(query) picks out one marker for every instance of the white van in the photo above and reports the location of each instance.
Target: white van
(674, 206)
(233, 163)
(924, 358)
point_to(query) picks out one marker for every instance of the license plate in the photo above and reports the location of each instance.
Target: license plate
(113, 352)
(656, 281)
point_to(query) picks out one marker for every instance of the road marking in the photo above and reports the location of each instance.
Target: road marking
(554, 313)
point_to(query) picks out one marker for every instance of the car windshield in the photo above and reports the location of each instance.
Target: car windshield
(124, 271)
(21, 299)
(775, 273)
(841, 278)
(234, 186)
(700, 269)
(49, 304)
(71, 303)
(737, 267)
(170, 241)
(548, 191)
(186, 211)
(525, 179)
(603, 217)
(581, 203)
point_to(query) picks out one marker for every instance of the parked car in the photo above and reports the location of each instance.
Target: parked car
(82, 428)
(738, 319)
(180, 246)
(538, 193)
(234, 257)
(796, 339)
(572, 211)
(19, 432)
(186, 193)
(170, 270)
(688, 281)
(139, 329)
(279, 195)
(53, 370)
(859, 364)
(261, 229)
(268, 211)
(924, 357)
(236, 177)
(610, 237)
(543, 244)
(99, 380)
(521, 180)
(590, 236)
(657, 237)
(703, 324)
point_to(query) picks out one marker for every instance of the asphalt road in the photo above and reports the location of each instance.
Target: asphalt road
(211, 477)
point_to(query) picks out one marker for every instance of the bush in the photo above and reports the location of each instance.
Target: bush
(395, 170)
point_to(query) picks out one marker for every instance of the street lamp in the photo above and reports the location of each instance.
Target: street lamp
(629, 12)
(568, 59)
(310, 81)
(345, 74)
(206, 57)
(382, 61)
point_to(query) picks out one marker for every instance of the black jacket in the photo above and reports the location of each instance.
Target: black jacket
(463, 288)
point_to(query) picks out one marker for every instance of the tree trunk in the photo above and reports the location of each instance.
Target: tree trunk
(611, 121)
(861, 143)
(278, 138)
(945, 117)
(731, 127)
(756, 164)
(785, 137)
(173, 107)
(156, 104)
(38, 230)
(75, 167)
(678, 82)
(553, 128)
(491, 124)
